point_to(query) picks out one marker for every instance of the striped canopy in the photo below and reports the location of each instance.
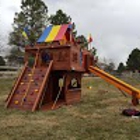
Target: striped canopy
(54, 33)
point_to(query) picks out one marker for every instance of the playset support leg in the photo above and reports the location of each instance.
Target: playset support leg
(135, 100)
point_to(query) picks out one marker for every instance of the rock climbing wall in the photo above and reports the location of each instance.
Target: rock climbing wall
(26, 93)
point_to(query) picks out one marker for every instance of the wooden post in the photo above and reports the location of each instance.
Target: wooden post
(135, 101)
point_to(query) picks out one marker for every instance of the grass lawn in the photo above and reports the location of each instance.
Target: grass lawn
(96, 117)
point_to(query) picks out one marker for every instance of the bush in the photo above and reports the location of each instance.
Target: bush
(2, 62)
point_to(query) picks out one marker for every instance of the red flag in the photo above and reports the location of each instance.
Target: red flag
(90, 38)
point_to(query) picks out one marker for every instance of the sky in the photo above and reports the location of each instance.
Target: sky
(113, 24)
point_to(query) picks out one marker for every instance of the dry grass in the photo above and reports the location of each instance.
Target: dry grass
(96, 117)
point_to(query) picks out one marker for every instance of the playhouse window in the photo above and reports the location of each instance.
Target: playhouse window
(74, 84)
(45, 57)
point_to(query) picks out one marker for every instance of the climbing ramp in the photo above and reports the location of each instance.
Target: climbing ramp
(28, 90)
(121, 85)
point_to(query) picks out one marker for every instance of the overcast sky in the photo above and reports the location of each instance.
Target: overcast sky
(114, 24)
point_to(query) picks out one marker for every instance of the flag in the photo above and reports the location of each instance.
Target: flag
(25, 32)
(90, 38)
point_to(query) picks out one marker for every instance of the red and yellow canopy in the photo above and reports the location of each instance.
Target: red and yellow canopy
(55, 33)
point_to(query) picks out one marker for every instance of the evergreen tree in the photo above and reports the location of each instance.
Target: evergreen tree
(33, 17)
(133, 62)
(121, 68)
(15, 56)
(82, 41)
(110, 67)
(2, 62)
(60, 18)
(94, 51)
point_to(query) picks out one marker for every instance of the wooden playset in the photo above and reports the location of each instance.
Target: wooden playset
(52, 73)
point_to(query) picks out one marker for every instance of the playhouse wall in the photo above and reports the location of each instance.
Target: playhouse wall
(59, 55)
(88, 60)
(61, 58)
(72, 95)
(76, 59)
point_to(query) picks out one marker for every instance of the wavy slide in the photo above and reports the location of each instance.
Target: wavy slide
(121, 85)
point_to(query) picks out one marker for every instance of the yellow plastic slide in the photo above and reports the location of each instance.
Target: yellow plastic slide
(117, 83)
